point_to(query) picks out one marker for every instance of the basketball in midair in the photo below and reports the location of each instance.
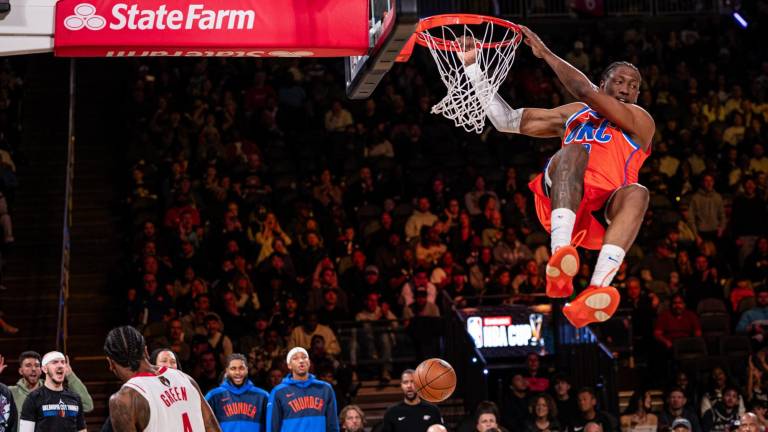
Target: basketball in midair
(435, 380)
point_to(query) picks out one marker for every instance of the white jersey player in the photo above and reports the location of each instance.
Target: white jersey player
(174, 402)
(152, 399)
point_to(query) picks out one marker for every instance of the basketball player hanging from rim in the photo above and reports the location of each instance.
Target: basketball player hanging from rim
(588, 194)
(152, 398)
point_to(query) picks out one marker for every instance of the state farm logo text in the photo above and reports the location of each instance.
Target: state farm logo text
(194, 17)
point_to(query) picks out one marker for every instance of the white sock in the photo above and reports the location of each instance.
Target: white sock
(608, 263)
(563, 220)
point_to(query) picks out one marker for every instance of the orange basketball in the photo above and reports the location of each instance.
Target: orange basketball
(435, 380)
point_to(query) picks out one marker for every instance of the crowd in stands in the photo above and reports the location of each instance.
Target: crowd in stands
(267, 211)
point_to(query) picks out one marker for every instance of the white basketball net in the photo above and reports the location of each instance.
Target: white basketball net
(466, 102)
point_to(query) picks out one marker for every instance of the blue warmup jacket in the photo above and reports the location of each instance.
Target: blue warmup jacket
(239, 409)
(302, 406)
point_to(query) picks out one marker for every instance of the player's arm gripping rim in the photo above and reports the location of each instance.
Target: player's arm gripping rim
(128, 410)
(535, 122)
(631, 118)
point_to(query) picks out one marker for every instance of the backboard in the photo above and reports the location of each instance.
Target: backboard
(392, 23)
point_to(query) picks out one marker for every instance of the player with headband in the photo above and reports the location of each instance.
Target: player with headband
(301, 402)
(52, 407)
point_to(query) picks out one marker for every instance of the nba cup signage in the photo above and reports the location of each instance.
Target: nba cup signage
(211, 28)
(496, 332)
(516, 333)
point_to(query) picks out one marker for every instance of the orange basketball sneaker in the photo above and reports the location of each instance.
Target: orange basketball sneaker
(594, 304)
(562, 267)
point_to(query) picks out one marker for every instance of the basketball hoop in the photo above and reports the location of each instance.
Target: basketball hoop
(495, 42)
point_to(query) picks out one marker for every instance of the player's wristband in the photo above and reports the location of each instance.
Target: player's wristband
(503, 117)
(514, 117)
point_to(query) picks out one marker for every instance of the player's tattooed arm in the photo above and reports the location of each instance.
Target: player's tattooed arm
(209, 420)
(129, 412)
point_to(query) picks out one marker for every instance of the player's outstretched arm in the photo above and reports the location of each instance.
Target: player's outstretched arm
(128, 411)
(535, 122)
(631, 118)
(547, 123)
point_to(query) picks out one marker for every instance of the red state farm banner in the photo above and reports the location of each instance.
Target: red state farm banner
(211, 28)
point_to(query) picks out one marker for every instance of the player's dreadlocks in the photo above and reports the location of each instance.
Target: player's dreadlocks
(607, 72)
(125, 346)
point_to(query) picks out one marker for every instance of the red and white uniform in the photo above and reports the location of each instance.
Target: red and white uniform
(614, 161)
(174, 402)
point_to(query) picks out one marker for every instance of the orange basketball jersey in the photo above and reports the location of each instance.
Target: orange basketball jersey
(614, 161)
(614, 158)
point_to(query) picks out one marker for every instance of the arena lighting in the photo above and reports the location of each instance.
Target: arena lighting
(740, 19)
(474, 359)
(485, 371)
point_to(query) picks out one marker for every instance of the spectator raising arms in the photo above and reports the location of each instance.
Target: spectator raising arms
(42, 407)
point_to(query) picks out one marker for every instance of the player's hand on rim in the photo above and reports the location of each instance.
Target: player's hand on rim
(468, 50)
(533, 40)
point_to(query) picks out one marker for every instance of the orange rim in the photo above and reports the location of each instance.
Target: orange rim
(455, 19)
